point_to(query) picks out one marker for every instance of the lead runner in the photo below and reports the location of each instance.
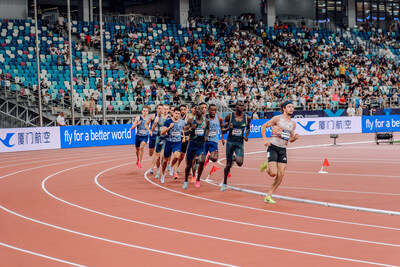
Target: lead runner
(282, 132)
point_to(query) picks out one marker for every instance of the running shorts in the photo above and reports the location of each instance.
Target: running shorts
(277, 154)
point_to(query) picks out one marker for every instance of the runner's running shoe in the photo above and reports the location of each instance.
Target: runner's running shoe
(268, 199)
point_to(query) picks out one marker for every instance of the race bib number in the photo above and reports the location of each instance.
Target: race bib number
(142, 132)
(199, 132)
(212, 133)
(176, 133)
(285, 135)
(237, 132)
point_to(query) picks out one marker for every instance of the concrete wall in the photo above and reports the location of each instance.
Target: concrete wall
(231, 7)
(14, 9)
(160, 7)
(302, 8)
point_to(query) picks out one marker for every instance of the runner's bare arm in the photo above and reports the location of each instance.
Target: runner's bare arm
(166, 129)
(246, 137)
(221, 126)
(207, 130)
(135, 123)
(148, 123)
(227, 125)
(187, 128)
(154, 124)
(264, 127)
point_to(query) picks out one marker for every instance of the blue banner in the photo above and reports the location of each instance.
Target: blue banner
(96, 135)
(372, 124)
(255, 129)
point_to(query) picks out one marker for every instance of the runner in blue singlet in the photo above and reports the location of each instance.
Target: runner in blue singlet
(141, 134)
(153, 131)
(216, 124)
(173, 127)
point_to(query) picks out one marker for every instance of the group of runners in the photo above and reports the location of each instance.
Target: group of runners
(176, 134)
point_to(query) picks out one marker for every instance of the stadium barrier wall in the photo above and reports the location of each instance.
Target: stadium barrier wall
(25, 139)
(97, 135)
(371, 124)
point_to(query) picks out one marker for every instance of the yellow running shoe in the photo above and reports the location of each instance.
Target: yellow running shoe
(268, 199)
(264, 166)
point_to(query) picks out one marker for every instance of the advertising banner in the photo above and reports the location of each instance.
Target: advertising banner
(96, 135)
(25, 139)
(328, 125)
(314, 126)
(372, 124)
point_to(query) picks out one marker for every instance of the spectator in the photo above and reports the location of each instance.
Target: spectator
(86, 105)
(47, 98)
(350, 110)
(61, 119)
(92, 106)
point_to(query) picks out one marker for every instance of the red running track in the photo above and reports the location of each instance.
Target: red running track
(92, 207)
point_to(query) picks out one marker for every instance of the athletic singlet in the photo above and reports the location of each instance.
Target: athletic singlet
(236, 133)
(155, 132)
(141, 129)
(160, 124)
(198, 134)
(175, 133)
(280, 133)
(214, 129)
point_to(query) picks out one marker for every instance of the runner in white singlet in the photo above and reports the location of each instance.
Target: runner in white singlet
(282, 132)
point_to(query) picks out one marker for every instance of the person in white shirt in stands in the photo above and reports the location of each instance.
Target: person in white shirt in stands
(350, 110)
(61, 119)
(96, 94)
(47, 98)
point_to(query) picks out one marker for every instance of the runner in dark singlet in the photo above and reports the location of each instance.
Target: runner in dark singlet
(184, 116)
(236, 124)
(197, 129)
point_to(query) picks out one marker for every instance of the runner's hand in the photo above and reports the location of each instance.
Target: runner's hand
(295, 137)
(245, 138)
(150, 133)
(223, 141)
(171, 125)
(267, 142)
(230, 126)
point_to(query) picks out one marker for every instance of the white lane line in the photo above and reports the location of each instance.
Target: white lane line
(321, 159)
(46, 160)
(320, 189)
(41, 255)
(101, 238)
(227, 220)
(325, 174)
(330, 158)
(328, 204)
(113, 241)
(271, 211)
(65, 152)
(202, 235)
(58, 163)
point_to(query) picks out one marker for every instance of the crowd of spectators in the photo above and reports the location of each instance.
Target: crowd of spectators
(264, 72)
(237, 65)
